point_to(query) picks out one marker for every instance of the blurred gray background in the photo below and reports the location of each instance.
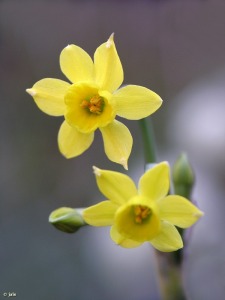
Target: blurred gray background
(177, 49)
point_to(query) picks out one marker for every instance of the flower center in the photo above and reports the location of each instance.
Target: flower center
(88, 107)
(94, 105)
(141, 213)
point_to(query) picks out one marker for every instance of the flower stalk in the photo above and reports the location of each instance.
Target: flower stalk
(148, 138)
(168, 265)
(169, 277)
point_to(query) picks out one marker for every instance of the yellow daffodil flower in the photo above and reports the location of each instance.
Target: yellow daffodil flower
(146, 214)
(93, 100)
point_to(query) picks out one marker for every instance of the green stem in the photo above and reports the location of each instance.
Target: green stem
(148, 140)
(169, 270)
(170, 277)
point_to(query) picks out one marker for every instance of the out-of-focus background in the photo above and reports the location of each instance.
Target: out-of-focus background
(177, 49)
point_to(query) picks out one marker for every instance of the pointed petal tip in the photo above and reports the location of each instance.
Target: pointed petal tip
(123, 162)
(110, 41)
(112, 36)
(31, 92)
(68, 46)
(199, 214)
(97, 171)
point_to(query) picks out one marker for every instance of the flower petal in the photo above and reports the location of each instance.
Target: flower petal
(178, 211)
(117, 142)
(101, 214)
(108, 68)
(76, 64)
(117, 187)
(49, 95)
(122, 241)
(168, 239)
(135, 102)
(154, 184)
(72, 142)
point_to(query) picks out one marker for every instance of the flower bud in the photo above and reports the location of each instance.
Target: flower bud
(183, 177)
(67, 219)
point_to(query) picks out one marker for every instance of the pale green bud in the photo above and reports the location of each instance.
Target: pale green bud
(67, 219)
(183, 176)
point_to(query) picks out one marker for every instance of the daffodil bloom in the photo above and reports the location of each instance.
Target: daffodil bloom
(146, 214)
(93, 100)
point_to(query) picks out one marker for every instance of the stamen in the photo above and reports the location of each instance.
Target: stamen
(137, 210)
(94, 105)
(138, 219)
(141, 212)
(84, 104)
(95, 100)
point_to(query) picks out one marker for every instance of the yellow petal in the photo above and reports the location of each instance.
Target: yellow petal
(72, 142)
(49, 95)
(117, 142)
(116, 186)
(121, 240)
(101, 214)
(154, 184)
(76, 64)
(168, 239)
(136, 102)
(178, 211)
(108, 68)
